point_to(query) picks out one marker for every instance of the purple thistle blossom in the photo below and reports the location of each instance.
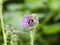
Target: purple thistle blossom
(29, 21)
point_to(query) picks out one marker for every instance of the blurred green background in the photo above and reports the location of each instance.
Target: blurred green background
(48, 11)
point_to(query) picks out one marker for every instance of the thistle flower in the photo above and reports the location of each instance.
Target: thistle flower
(30, 21)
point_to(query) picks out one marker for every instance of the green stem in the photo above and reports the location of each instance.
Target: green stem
(13, 40)
(2, 24)
(32, 36)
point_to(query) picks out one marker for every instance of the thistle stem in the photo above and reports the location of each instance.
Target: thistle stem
(32, 36)
(13, 40)
(2, 24)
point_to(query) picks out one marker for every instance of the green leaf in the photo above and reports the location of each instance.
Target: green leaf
(54, 4)
(33, 4)
(51, 29)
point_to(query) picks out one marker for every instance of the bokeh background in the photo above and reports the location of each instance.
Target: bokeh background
(48, 11)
